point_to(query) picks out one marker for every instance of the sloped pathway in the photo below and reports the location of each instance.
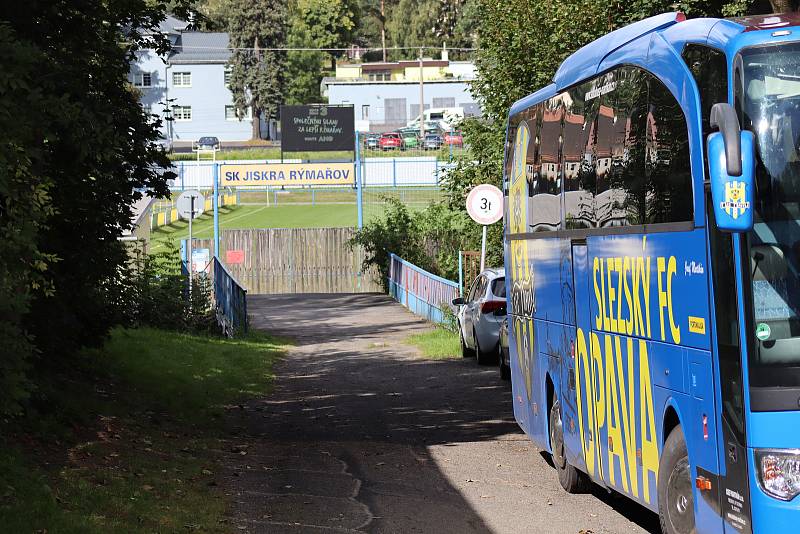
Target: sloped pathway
(360, 435)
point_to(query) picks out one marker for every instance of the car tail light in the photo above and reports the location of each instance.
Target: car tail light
(492, 305)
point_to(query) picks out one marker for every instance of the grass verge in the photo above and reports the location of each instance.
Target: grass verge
(437, 344)
(129, 441)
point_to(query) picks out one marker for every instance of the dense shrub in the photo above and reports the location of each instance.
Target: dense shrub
(158, 294)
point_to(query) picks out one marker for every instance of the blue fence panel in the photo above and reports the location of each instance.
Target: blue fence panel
(423, 293)
(231, 301)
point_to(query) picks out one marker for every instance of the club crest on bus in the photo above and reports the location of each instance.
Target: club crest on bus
(735, 203)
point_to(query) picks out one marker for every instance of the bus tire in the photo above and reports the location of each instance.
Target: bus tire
(466, 352)
(675, 493)
(570, 478)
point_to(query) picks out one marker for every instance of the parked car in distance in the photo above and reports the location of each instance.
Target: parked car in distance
(410, 140)
(372, 141)
(390, 141)
(479, 315)
(503, 358)
(207, 143)
(453, 138)
(432, 142)
(165, 144)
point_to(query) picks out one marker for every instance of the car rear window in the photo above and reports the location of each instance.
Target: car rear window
(499, 287)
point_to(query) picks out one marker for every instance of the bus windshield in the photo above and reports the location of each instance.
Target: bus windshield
(771, 107)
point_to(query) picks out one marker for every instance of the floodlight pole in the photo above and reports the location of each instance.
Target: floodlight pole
(191, 246)
(215, 204)
(421, 98)
(359, 183)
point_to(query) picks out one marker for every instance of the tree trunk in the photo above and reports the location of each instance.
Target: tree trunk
(383, 30)
(256, 111)
(256, 124)
(782, 6)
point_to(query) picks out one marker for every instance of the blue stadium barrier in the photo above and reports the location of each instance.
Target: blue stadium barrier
(423, 293)
(230, 301)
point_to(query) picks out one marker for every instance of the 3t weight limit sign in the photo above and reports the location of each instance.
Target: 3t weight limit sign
(485, 204)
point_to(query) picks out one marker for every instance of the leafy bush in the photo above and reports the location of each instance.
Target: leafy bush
(158, 294)
(165, 300)
(430, 238)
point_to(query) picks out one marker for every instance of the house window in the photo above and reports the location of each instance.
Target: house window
(182, 113)
(365, 112)
(380, 76)
(395, 110)
(227, 77)
(182, 79)
(445, 102)
(230, 114)
(142, 79)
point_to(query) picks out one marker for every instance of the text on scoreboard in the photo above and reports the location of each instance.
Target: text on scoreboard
(287, 174)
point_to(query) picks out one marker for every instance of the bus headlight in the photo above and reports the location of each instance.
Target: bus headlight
(779, 473)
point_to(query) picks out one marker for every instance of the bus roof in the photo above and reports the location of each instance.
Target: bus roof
(676, 31)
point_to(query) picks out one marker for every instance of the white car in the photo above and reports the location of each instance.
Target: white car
(480, 314)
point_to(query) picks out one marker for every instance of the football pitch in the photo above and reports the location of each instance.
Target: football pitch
(258, 216)
(331, 208)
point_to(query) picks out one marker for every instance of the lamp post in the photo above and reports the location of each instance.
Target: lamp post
(421, 97)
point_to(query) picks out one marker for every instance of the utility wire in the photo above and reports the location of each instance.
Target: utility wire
(309, 49)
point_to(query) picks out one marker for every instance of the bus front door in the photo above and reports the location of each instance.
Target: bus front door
(584, 442)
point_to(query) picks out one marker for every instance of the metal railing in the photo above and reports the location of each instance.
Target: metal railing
(230, 301)
(423, 293)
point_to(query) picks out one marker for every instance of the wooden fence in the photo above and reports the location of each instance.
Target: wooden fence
(294, 260)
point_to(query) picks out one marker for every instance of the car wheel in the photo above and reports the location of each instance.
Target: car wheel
(505, 370)
(570, 478)
(675, 494)
(466, 352)
(484, 358)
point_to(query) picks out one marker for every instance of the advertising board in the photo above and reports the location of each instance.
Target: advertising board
(317, 128)
(286, 174)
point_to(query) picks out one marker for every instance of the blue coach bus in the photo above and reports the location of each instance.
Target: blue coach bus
(652, 249)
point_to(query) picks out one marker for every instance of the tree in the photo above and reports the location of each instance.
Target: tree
(258, 68)
(329, 23)
(372, 31)
(304, 67)
(411, 24)
(77, 150)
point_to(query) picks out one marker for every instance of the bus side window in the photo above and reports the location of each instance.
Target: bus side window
(710, 72)
(580, 177)
(669, 173)
(627, 177)
(610, 198)
(545, 201)
(533, 117)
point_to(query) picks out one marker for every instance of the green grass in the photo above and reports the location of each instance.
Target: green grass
(142, 456)
(437, 344)
(258, 216)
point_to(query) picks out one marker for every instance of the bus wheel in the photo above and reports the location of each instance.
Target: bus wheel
(572, 480)
(675, 495)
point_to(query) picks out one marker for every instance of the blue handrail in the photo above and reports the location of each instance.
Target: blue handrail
(230, 301)
(423, 293)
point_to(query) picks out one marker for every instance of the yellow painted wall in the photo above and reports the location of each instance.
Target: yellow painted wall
(428, 73)
(348, 71)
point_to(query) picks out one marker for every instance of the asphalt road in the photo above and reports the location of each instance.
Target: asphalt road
(361, 435)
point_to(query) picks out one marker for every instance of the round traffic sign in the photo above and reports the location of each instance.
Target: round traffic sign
(485, 204)
(190, 203)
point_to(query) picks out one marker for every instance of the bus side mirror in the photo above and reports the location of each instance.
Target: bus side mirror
(731, 166)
